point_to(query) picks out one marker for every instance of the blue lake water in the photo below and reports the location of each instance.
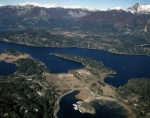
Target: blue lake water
(7, 68)
(111, 110)
(126, 66)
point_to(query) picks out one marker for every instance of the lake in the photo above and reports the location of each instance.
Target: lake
(107, 110)
(126, 66)
(7, 68)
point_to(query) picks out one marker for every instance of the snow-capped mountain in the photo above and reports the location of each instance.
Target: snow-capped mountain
(116, 8)
(55, 10)
(55, 15)
(135, 9)
(58, 6)
(34, 14)
(140, 9)
(49, 5)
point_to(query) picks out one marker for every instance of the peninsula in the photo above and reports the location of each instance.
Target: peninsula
(37, 91)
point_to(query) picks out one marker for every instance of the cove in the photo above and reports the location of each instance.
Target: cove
(102, 111)
(126, 66)
(7, 68)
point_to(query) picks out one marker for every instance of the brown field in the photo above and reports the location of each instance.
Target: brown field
(83, 95)
(65, 81)
(11, 58)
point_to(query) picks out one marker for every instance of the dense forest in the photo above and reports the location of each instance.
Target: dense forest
(31, 67)
(20, 98)
(25, 93)
(137, 86)
(137, 92)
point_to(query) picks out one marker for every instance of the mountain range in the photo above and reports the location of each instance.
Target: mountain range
(135, 18)
(137, 8)
(116, 30)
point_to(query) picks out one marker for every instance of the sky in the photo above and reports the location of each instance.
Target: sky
(100, 4)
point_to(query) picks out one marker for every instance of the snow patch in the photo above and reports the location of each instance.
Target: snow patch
(77, 15)
(137, 8)
(116, 8)
(57, 6)
(140, 9)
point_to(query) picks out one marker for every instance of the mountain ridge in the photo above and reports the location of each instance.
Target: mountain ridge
(58, 6)
(111, 20)
(135, 9)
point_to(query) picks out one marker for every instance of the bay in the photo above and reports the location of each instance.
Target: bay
(111, 110)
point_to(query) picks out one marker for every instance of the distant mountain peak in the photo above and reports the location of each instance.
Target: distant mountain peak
(137, 8)
(116, 8)
(140, 9)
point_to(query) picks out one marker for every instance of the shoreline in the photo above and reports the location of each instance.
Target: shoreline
(129, 113)
(75, 47)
